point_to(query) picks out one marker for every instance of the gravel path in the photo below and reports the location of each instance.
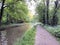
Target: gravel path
(44, 38)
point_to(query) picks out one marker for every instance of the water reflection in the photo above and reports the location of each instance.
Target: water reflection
(10, 35)
(3, 38)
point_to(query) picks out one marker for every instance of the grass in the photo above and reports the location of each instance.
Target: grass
(28, 38)
(55, 31)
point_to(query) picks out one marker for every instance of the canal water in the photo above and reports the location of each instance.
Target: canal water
(10, 35)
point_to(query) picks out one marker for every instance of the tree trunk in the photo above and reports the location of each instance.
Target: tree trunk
(54, 20)
(1, 14)
(2, 8)
(47, 3)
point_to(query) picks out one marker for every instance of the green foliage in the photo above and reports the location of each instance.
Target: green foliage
(58, 15)
(16, 10)
(40, 9)
(54, 20)
(52, 12)
(28, 38)
(55, 31)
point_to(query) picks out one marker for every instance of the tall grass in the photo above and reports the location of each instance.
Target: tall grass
(28, 38)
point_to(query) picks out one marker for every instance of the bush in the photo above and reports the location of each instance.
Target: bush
(57, 34)
(55, 31)
(54, 20)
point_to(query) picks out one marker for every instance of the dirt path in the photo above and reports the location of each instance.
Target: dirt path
(44, 38)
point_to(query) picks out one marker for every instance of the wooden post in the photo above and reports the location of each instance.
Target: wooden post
(0, 37)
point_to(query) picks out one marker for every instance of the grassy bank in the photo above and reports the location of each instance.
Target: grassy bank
(55, 31)
(28, 38)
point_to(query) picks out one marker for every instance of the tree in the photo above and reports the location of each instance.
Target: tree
(47, 13)
(2, 9)
(17, 10)
(41, 11)
(55, 18)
